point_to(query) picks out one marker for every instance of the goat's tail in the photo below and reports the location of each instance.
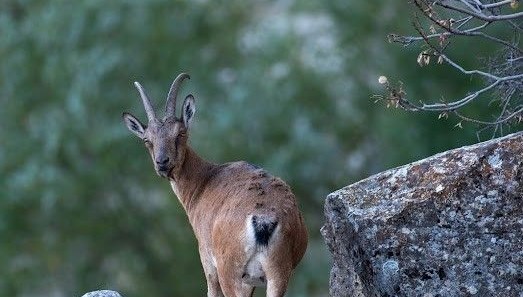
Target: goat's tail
(264, 226)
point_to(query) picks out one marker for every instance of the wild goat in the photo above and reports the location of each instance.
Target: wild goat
(249, 229)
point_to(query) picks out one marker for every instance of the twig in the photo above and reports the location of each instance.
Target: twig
(496, 4)
(459, 103)
(481, 16)
(477, 9)
(407, 40)
(449, 29)
(501, 120)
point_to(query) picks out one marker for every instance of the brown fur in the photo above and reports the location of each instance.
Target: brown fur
(218, 199)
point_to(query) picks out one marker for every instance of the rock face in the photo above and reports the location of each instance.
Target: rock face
(448, 225)
(102, 293)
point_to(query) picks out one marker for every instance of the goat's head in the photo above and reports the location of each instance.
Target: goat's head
(165, 139)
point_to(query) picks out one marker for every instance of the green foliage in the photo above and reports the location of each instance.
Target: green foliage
(283, 85)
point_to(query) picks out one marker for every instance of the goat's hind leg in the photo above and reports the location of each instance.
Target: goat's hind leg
(213, 286)
(230, 279)
(277, 279)
(236, 288)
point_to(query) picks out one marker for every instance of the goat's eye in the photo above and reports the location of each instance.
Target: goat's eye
(146, 141)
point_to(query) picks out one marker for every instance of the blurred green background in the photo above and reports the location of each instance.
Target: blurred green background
(282, 84)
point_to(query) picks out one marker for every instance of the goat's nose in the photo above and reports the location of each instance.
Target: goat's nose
(162, 160)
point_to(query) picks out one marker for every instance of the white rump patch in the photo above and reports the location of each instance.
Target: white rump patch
(253, 272)
(250, 243)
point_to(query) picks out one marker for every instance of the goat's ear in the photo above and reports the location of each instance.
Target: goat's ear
(189, 109)
(133, 124)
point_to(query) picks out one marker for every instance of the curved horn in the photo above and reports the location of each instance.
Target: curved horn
(170, 105)
(146, 102)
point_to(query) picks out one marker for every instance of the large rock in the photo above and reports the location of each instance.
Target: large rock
(448, 225)
(102, 293)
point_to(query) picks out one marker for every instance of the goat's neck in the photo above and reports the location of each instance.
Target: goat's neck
(188, 181)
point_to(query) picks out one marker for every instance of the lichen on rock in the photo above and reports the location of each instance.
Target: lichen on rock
(102, 293)
(448, 225)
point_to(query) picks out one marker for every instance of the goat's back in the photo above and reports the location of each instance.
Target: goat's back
(235, 192)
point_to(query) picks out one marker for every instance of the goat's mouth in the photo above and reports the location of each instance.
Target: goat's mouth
(164, 171)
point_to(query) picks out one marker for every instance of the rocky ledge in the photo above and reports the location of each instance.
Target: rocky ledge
(102, 293)
(448, 225)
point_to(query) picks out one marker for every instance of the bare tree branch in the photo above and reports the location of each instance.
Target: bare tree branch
(502, 72)
(479, 15)
(496, 4)
(447, 26)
